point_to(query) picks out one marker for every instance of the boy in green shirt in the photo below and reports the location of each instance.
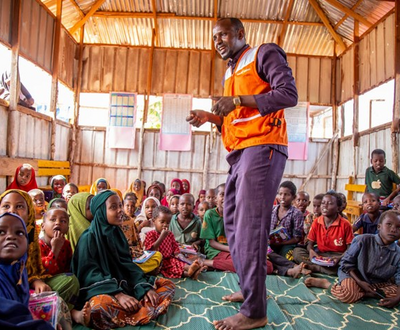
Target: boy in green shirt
(212, 230)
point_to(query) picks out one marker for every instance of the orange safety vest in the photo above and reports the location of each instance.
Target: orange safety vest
(245, 127)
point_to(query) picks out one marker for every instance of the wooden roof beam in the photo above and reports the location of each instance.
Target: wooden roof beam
(349, 12)
(281, 37)
(346, 16)
(115, 14)
(327, 24)
(78, 9)
(87, 16)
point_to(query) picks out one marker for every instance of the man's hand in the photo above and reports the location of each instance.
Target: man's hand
(223, 106)
(197, 117)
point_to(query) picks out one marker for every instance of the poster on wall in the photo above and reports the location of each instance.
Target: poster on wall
(121, 129)
(297, 128)
(175, 132)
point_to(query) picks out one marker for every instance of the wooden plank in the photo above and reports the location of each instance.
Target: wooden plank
(96, 62)
(355, 187)
(132, 69)
(325, 81)
(33, 31)
(144, 60)
(169, 72)
(8, 165)
(302, 78)
(182, 72)
(92, 10)
(107, 72)
(373, 57)
(205, 75)
(193, 74)
(390, 38)
(53, 163)
(53, 171)
(119, 81)
(314, 80)
(159, 64)
(380, 53)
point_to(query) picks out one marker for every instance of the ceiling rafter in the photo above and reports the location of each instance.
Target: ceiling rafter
(346, 16)
(78, 9)
(282, 35)
(114, 14)
(87, 16)
(327, 24)
(349, 12)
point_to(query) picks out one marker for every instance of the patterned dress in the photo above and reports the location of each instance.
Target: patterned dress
(172, 267)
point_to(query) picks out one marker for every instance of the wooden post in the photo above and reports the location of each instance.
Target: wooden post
(75, 119)
(356, 89)
(206, 162)
(12, 125)
(335, 122)
(396, 106)
(146, 106)
(54, 79)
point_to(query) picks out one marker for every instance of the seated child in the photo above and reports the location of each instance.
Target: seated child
(99, 185)
(203, 207)
(330, 232)
(155, 191)
(56, 254)
(70, 189)
(185, 225)
(165, 201)
(210, 198)
(216, 247)
(161, 239)
(369, 220)
(58, 183)
(132, 235)
(177, 185)
(185, 187)
(137, 188)
(302, 201)
(37, 196)
(287, 216)
(344, 205)
(396, 203)
(363, 274)
(379, 179)
(200, 199)
(14, 286)
(309, 219)
(24, 178)
(58, 203)
(144, 221)
(174, 204)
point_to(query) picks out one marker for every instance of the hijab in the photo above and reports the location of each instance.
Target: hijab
(118, 192)
(14, 278)
(142, 216)
(139, 194)
(57, 177)
(93, 188)
(77, 217)
(34, 264)
(102, 260)
(180, 182)
(29, 186)
(155, 186)
(187, 191)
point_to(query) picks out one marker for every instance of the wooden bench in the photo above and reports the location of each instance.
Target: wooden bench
(354, 207)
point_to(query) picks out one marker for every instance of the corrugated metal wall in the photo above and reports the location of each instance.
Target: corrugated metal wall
(376, 53)
(5, 21)
(34, 138)
(67, 63)
(119, 166)
(108, 68)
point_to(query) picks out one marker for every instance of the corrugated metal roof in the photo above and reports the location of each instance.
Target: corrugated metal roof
(180, 30)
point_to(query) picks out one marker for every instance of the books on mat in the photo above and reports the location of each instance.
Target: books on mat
(144, 257)
(279, 235)
(45, 306)
(323, 261)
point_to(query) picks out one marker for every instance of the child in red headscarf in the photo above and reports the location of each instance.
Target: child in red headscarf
(185, 189)
(24, 178)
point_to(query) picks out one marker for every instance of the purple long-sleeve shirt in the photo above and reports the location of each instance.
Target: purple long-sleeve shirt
(272, 67)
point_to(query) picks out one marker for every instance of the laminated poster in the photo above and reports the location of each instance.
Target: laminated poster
(121, 129)
(176, 133)
(297, 129)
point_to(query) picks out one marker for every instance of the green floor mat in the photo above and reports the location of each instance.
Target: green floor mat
(291, 306)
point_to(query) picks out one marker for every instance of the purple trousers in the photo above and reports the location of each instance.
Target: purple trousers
(254, 176)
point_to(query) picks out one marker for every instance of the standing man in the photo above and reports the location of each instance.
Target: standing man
(258, 84)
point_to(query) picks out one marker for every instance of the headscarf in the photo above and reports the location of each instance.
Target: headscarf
(102, 260)
(155, 186)
(187, 191)
(54, 200)
(57, 177)
(93, 188)
(14, 278)
(139, 194)
(118, 192)
(196, 206)
(142, 216)
(34, 264)
(180, 182)
(77, 217)
(31, 184)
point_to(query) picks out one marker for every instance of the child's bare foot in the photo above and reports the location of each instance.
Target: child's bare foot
(197, 272)
(317, 282)
(234, 297)
(305, 270)
(239, 322)
(193, 268)
(82, 316)
(295, 271)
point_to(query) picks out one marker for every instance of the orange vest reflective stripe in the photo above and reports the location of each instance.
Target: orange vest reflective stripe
(245, 127)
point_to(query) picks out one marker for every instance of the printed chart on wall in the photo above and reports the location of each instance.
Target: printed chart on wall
(297, 128)
(122, 121)
(176, 133)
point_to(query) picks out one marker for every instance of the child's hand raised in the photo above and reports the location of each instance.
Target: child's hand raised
(57, 242)
(164, 233)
